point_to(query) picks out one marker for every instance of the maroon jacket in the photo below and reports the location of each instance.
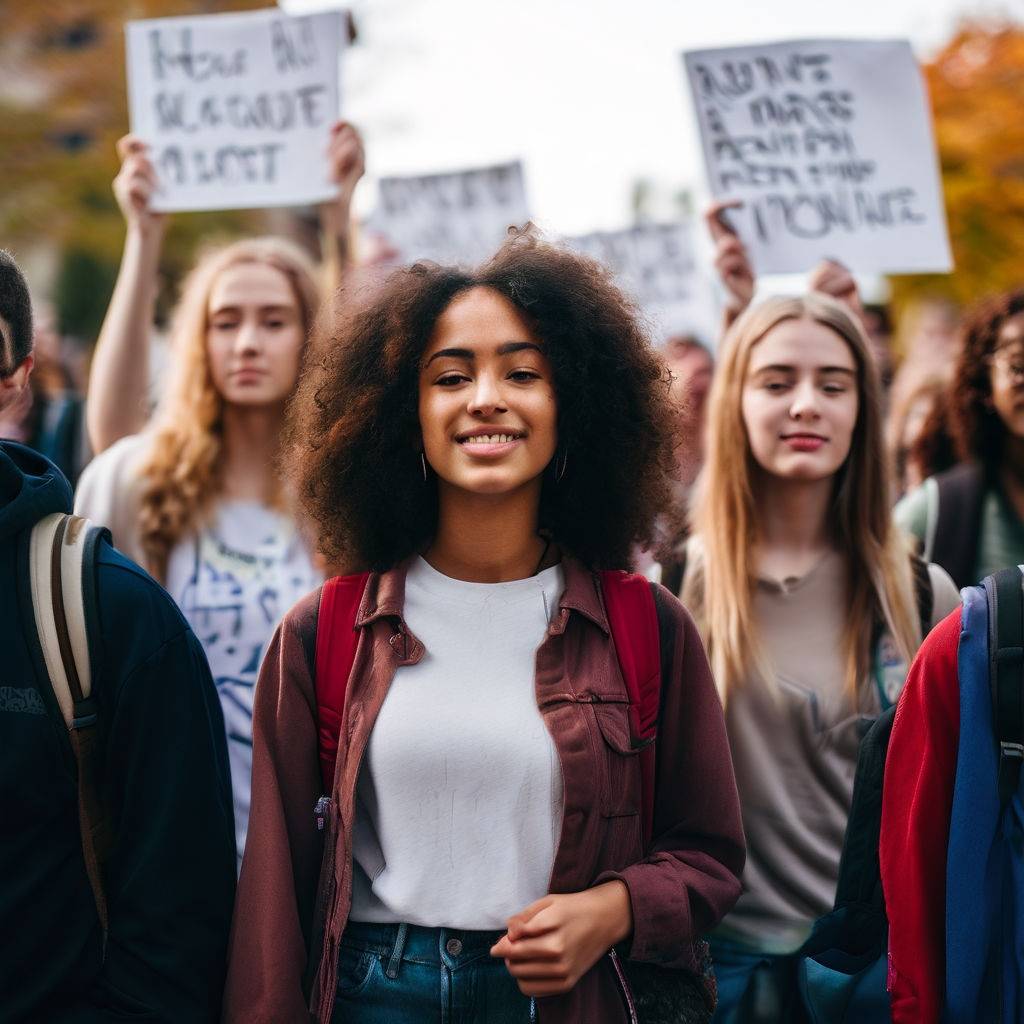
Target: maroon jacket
(286, 930)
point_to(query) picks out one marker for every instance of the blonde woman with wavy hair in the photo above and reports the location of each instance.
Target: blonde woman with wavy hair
(181, 474)
(810, 604)
(194, 494)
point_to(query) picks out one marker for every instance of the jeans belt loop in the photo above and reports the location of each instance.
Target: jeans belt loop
(396, 954)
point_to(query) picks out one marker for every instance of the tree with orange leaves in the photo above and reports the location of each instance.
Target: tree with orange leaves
(977, 92)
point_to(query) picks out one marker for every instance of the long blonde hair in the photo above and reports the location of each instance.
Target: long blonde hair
(181, 472)
(720, 590)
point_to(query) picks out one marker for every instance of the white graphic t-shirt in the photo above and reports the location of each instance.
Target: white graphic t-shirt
(234, 580)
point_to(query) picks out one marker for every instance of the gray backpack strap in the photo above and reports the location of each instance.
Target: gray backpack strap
(62, 579)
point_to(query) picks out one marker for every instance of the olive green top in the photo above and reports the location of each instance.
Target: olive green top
(1001, 543)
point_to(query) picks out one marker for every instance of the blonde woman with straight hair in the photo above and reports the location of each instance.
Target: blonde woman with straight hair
(194, 495)
(810, 605)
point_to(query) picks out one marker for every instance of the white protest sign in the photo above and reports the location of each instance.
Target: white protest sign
(460, 217)
(236, 108)
(656, 265)
(829, 146)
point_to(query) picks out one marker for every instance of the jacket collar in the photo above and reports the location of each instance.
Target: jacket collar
(384, 595)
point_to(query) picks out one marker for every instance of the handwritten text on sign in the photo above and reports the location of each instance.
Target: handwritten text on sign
(237, 108)
(451, 218)
(655, 264)
(829, 146)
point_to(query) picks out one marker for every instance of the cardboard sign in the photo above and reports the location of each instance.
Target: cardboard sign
(460, 217)
(829, 146)
(656, 265)
(236, 107)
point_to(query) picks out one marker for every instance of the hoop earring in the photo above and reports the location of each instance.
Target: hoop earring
(423, 463)
(559, 473)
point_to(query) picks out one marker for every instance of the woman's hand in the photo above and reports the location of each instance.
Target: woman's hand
(731, 260)
(346, 163)
(552, 943)
(832, 278)
(134, 186)
(346, 160)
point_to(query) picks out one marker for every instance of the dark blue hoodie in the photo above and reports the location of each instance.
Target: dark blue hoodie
(170, 877)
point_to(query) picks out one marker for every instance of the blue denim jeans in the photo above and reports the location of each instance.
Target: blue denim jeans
(404, 974)
(755, 987)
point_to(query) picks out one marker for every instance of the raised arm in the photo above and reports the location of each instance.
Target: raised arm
(731, 261)
(118, 380)
(737, 275)
(347, 162)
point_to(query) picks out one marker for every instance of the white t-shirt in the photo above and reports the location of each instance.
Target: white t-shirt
(233, 580)
(459, 799)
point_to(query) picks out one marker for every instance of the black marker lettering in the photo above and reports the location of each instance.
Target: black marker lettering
(270, 153)
(170, 111)
(198, 66)
(309, 97)
(293, 51)
(172, 165)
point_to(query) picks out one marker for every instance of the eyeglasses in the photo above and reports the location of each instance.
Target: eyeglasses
(1009, 362)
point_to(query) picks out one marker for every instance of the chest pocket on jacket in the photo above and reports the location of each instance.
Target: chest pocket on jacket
(621, 842)
(618, 761)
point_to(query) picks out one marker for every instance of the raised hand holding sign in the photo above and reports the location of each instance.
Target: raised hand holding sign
(828, 145)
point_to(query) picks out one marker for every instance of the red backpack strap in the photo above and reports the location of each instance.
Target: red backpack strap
(336, 639)
(633, 619)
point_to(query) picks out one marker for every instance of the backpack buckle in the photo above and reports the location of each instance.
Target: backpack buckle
(1012, 656)
(85, 713)
(1011, 757)
(1011, 750)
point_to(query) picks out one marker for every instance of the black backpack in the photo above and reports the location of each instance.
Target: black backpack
(953, 528)
(843, 962)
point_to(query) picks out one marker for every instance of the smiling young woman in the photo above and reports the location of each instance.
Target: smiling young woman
(481, 443)
(805, 596)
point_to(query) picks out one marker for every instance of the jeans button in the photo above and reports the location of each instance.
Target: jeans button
(454, 947)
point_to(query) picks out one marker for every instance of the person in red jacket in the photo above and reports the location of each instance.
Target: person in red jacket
(920, 770)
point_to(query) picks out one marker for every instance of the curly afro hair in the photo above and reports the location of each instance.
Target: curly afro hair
(975, 425)
(354, 419)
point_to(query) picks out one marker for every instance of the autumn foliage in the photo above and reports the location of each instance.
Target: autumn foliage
(63, 105)
(977, 92)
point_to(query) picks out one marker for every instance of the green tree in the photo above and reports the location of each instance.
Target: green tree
(63, 105)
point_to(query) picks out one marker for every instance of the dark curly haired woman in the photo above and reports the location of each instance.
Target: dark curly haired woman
(481, 444)
(970, 519)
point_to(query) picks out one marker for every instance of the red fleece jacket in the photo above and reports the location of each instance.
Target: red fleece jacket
(917, 802)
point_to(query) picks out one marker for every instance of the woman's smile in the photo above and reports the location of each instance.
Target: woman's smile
(490, 442)
(804, 442)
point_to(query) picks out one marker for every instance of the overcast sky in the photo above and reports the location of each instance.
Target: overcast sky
(589, 93)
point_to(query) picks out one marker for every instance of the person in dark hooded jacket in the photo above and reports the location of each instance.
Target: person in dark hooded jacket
(169, 878)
